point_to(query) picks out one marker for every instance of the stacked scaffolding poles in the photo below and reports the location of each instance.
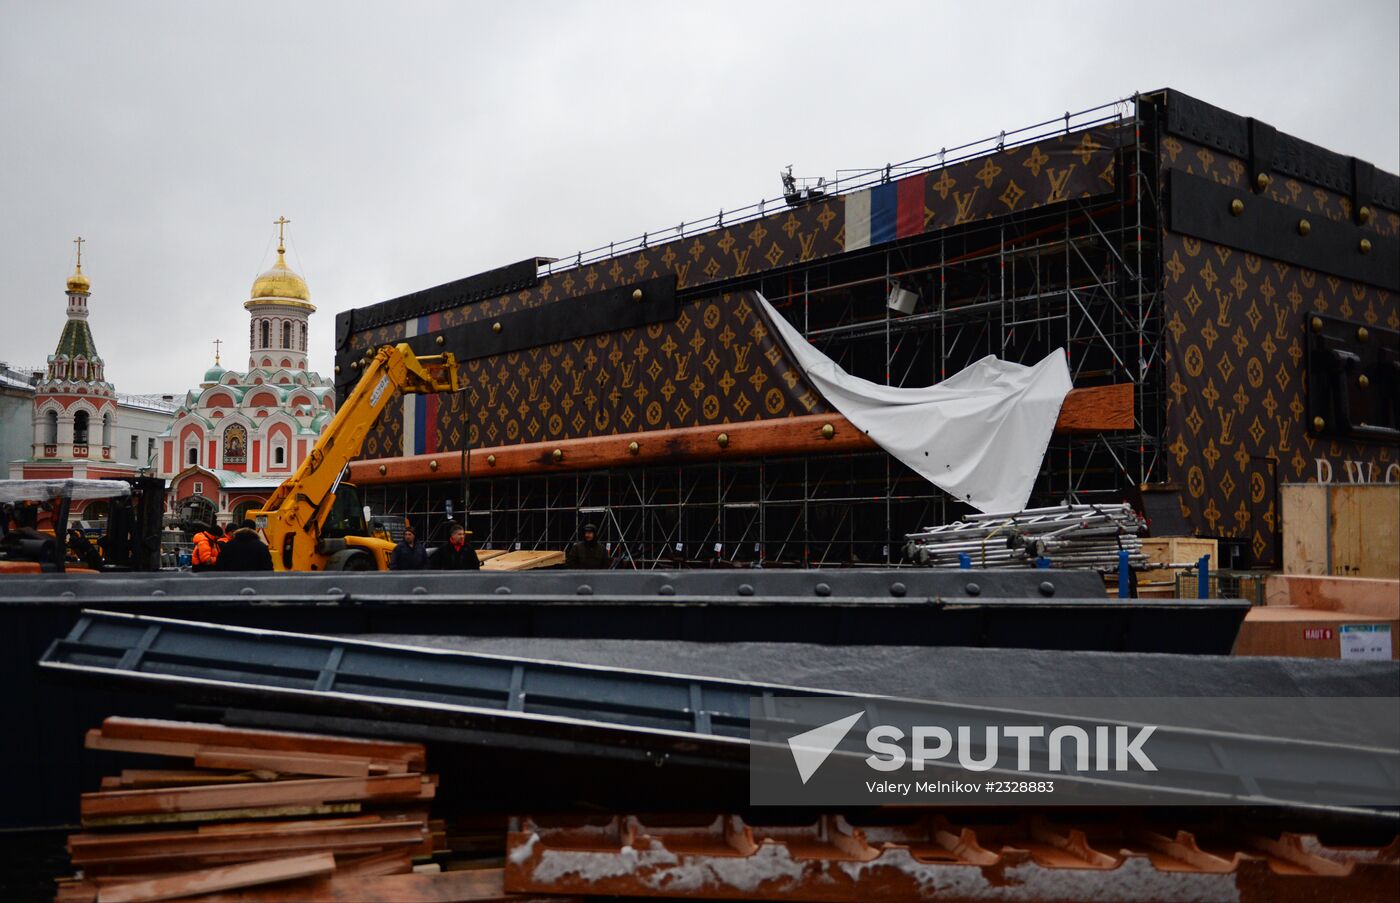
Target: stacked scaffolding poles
(1075, 536)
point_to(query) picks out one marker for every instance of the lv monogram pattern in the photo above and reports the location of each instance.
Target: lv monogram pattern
(1234, 356)
(709, 366)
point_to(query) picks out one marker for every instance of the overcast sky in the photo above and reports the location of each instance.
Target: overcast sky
(412, 143)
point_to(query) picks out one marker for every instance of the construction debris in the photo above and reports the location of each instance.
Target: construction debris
(1030, 858)
(1067, 536)
(301, 816)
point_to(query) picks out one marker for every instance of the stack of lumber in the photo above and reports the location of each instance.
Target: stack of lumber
(261, 815)
(522, 560)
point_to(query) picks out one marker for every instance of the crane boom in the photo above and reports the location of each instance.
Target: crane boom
(294, 519)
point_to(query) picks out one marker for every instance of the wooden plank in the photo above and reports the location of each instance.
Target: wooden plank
(173, 818)
(286, 763)
(274, 793)
(447, 887)
(1089, 410)
(219, 879)
(1305, 525)
(524, 561)
(253, 827)
(249, 759)
(390, 862)
(95, 739)
(197, 734)
(135, 778)
(205, 835)
(140, 853)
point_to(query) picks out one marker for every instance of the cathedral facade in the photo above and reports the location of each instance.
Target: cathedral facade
(79, 427)
(237, 436)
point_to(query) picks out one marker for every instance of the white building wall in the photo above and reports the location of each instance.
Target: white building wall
(144, 425)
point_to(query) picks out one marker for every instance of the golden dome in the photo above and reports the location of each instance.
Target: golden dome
(280, 285)
(78, 282)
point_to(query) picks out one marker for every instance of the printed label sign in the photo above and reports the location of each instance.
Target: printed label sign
(1317, 633)
(1366, 642)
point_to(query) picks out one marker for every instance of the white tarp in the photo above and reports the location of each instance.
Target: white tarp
(12, 491)
(979, 435)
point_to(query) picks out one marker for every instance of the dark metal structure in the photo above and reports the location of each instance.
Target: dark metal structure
(913, 607)
(1161, 241)
(576, 710)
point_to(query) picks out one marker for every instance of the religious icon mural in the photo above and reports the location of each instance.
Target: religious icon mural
(235, 444)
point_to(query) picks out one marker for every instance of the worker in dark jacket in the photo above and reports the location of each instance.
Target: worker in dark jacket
(244, 551)
(457, 554)
(408, 554)
(588, 552)
(207, 548)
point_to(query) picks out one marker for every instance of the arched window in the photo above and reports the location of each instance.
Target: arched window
(80, 428)
(279, 455)
(303, 335)
(192, 454)
(286, 334)
(106, 430)
(51, 428)
(266, 333)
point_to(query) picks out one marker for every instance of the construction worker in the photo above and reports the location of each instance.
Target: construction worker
(457, 554)
(244, 550)
(206, 548)
(588, 553)
(409, 555)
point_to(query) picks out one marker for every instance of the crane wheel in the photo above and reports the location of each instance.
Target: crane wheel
(350, 560)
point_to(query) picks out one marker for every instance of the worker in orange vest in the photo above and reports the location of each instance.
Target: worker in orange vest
(207, 543)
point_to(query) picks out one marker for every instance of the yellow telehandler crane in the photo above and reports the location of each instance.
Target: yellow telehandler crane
(314, 522)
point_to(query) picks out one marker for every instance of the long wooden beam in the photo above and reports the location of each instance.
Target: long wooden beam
(1093, 410)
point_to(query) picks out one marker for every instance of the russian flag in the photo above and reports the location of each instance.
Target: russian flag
(886, 212)
(420, 411)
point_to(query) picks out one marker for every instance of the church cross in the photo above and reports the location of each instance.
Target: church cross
(217, 343)
(280, 223)
(79, 242)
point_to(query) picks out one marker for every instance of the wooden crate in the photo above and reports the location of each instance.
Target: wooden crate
(1343, 530)
(1302, 633)
(1173, 550)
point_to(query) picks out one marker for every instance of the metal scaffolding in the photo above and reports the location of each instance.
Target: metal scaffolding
(1083, 274)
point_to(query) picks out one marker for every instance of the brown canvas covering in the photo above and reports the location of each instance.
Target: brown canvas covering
(1234, 356)
(714, 363)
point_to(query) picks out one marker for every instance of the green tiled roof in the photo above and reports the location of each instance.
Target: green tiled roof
(76, 340)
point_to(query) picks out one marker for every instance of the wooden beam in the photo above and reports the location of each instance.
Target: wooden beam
(158, 852)
(274, 793)
(213, 880)
(1092, 410)
(286, 763)
(197, 734)
(447, 887)
(175, 818)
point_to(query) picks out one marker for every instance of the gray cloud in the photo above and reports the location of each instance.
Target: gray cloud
(414, 143)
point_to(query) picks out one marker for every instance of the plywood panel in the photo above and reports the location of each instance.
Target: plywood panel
(1345, 530)
(1305, 519)
(1366, 531)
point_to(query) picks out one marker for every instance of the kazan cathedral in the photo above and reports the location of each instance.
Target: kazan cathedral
(240, 434)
